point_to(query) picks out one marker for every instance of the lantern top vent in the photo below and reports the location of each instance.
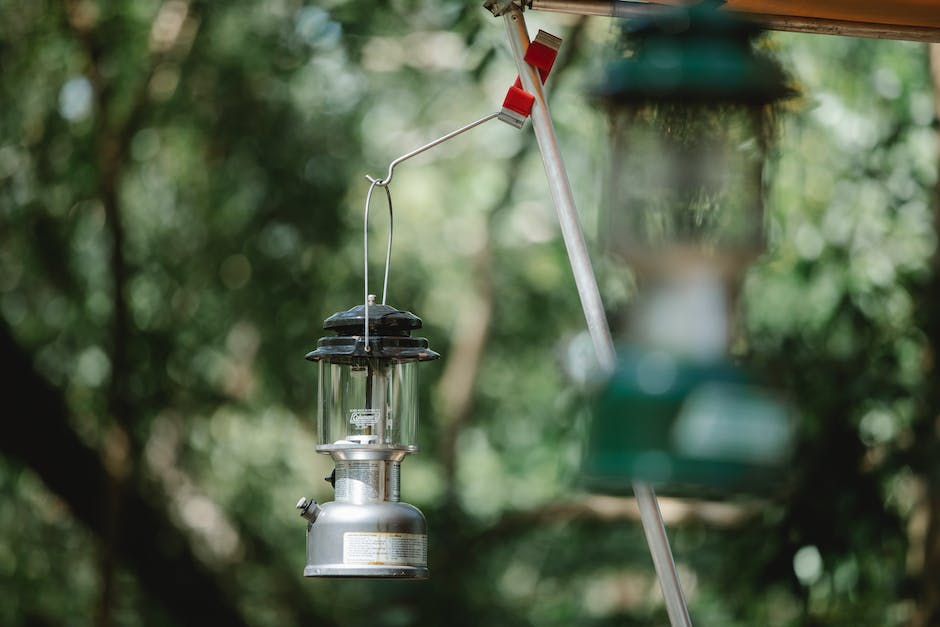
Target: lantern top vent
(383, 320)
(389, 336)
(697, 54)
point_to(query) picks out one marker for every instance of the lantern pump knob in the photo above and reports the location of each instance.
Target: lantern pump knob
(308, 508)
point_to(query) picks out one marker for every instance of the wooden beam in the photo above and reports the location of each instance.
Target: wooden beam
(906, 13)
(913, 20)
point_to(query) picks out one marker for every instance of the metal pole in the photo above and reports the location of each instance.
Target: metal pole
(591, 303)
(561, 195)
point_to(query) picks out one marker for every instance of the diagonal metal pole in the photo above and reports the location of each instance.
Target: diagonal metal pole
(586, 282)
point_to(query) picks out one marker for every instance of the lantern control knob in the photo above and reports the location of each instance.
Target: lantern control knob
(308, 508)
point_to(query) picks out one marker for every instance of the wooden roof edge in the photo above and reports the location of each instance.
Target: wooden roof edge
(821, 26)
(789, 23)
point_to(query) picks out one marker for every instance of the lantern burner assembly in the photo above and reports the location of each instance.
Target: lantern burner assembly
(367, 422)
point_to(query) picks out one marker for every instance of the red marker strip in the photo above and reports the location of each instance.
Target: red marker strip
(519, 101)
(540, 54)
(516, 106)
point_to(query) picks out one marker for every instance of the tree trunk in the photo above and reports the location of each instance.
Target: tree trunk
(36, 431)
(928, 613)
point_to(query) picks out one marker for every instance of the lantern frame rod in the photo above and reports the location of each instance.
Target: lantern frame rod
(591, 303)
(789, 23)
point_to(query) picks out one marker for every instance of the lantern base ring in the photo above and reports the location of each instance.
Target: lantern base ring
(371, 572)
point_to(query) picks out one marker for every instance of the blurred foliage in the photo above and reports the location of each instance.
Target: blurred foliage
(236, 136)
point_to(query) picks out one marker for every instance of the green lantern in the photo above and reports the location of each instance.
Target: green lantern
(691, 108)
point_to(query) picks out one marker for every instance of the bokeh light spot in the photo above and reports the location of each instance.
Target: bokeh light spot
(235, 272)
(75, 99)
(807, 565)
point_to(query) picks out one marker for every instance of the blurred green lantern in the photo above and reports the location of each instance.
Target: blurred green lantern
(690, 106)
(691, 109)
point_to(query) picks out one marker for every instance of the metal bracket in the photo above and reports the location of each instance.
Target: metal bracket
(417, 151)
(501, 7)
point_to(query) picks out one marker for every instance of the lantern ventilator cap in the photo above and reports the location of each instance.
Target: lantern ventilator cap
(389, 336)
(696, 54)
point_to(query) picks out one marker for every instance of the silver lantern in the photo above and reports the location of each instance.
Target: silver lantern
(367, 422)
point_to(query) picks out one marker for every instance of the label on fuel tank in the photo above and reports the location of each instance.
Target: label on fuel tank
(379, 549)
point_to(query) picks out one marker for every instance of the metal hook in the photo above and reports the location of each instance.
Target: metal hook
(417, 151)
(384, 183)
(365, 253)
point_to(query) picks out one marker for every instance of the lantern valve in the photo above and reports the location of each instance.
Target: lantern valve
(308, 508)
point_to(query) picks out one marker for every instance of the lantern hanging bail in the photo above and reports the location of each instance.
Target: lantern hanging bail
(370, 298)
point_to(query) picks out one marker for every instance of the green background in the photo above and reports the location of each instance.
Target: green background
(181, 195)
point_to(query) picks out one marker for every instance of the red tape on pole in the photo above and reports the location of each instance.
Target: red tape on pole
(540, 54)
(519, 100)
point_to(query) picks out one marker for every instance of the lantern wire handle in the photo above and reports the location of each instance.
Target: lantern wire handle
(365, 253)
